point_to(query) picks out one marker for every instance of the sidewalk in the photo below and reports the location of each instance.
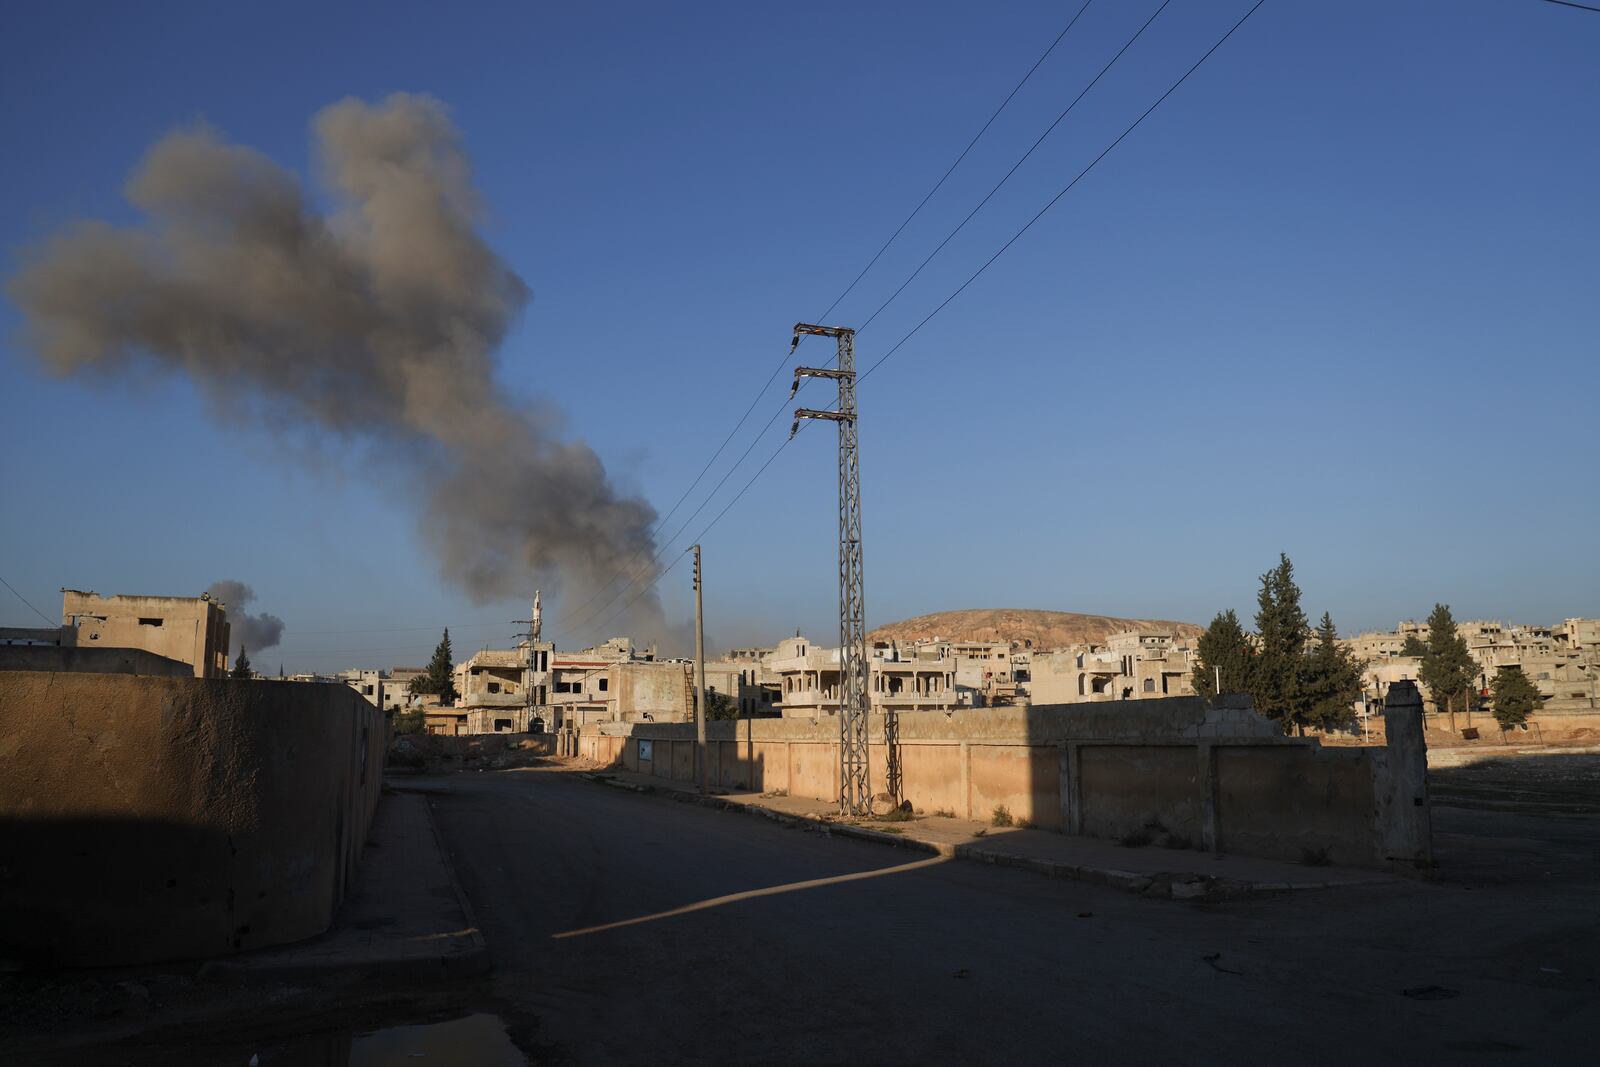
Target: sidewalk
(406, 918)
(1174, 874)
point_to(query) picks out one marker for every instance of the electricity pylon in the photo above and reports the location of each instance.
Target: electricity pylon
(855, 793)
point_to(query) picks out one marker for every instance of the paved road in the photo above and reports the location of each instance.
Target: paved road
(950, 961)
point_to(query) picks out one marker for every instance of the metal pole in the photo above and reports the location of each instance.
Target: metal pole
(699, 679)
(855, 793)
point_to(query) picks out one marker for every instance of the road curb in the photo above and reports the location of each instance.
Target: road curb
(476, 960)
(1185, 886)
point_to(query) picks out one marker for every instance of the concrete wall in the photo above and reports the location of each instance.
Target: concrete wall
(146, 819)
(1217, 775)
(70, 659)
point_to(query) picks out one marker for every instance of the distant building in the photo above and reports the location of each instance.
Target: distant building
(1563, 662)
(187, 630)
(1132, 665)
(915, 679)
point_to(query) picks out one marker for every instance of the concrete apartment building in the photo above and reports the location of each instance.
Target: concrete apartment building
(191, 631)
(746, 682)
(1132, 665)
(1563, 661)
(536, 688)
(899, 679)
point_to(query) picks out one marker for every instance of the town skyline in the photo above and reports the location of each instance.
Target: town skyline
(1313, 401)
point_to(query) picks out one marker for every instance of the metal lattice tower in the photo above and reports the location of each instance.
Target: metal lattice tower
(855, 793)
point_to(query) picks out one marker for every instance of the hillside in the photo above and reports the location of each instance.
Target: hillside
(1045, 629)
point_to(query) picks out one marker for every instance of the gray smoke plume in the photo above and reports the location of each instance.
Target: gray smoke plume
(376, 322)
(254, 632)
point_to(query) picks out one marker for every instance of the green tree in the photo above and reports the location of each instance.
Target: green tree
(1448, 669)
(1514, 696)
(1223, 649)
(1331, 680)
(241, 666)
(1413, 647)
(1281, 637)
(410, 722)
(440, 678)
(720, 706)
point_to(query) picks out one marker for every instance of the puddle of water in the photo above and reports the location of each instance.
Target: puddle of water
(477, 1040)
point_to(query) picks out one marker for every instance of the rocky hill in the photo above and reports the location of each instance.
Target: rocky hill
(1044, 629)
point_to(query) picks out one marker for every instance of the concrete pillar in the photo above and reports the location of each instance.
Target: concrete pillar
(1405, 823)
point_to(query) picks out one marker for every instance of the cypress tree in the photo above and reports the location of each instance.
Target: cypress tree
(241, 666)
(1514, 696)
(1224, 648)
(1448, 669)
(440, 679)
(1281, 634)
(1332, 679)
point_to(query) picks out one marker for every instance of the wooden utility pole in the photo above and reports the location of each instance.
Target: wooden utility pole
(700, 708)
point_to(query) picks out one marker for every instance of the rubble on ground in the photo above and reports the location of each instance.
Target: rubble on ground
(438, 754)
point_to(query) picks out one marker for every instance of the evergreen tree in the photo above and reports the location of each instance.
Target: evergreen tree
(1514, 696)
(1281, 635)
(1413, 647)
(1331, 680)
(1448, 668)
(241, 666)
(1224, 649)
(720, 706)
(440, 678)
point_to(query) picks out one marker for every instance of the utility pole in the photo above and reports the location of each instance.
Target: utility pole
(699, 679)
(855, 793)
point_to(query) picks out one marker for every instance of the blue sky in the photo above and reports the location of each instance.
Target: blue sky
(1336, 297)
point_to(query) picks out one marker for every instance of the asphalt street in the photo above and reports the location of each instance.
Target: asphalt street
(630, 928)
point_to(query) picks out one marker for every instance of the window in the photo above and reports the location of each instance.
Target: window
(605, 684)
(494, 687)
(502, 726)
(369, 690)
(1149, 685)
(150, 622)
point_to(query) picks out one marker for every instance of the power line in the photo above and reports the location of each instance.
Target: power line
(1569, 3)
(570, 620)
(567, 617)
(951, 169)
(665, 545)
(903, 285)
(698, 537)
(24, 599)
(403, 629)
(1066, 189)
(1031, 148)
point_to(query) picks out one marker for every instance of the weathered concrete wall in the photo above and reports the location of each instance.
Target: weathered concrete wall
(659, 690)
(146, 819)
(76, 660)
(1128, 789)
(1219, 776)
(1292, 801)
